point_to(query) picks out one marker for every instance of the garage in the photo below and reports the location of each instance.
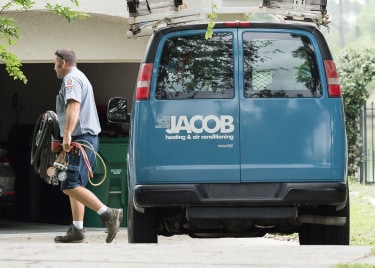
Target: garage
(108, 58)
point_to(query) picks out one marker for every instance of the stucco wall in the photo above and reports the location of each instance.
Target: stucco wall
(96, 39)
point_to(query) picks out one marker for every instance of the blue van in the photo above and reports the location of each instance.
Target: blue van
(238, 135)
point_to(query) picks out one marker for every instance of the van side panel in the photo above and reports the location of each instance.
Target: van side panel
(139, 145)
(339, 141)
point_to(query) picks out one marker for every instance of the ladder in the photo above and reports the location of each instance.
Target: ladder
(145, 16)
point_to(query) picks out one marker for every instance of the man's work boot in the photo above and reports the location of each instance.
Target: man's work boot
(112, 219)
(73, 235)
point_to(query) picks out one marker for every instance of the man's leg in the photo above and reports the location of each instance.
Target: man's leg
(81, 197)
(78, 209)
(78, 212)
(76, 233)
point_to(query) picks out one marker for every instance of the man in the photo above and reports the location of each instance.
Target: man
(79, 122)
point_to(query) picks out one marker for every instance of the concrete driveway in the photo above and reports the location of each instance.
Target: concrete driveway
(31, 245)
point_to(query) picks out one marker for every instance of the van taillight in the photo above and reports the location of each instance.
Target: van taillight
(333, 82)
(144, 82)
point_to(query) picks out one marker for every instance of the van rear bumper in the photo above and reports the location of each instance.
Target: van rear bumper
(242, 194)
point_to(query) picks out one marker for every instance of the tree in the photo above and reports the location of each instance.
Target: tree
(364, 28)
(10, 33)
(356, 69)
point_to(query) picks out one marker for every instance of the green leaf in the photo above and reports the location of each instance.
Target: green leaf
(12, 64)
(66, 12)
(211, 16)
(9, 32)
(25, 4)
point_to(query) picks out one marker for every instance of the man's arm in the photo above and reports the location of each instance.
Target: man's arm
(72, 114)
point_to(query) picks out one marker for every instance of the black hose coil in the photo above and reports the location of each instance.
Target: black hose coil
(45, 132)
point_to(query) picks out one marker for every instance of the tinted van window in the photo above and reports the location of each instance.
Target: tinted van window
(280, 65)
(193, 67)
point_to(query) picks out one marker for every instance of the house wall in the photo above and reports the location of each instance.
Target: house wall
(98, 38)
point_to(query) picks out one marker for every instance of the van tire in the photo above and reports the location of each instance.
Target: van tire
(142, 227)
(316, 234)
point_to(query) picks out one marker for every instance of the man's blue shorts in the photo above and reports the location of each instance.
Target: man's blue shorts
(77, 174)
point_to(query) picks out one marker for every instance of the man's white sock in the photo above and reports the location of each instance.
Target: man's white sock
(102, 210)
(78, 224)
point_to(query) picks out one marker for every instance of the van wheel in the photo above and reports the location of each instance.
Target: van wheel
(142, 227)
(316, 234)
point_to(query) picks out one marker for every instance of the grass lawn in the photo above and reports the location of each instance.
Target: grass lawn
(362, 220)
(362, 214)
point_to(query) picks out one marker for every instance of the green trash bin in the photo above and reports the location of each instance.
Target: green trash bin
(113, 192)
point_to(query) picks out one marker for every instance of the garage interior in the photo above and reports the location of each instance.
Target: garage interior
(109, 59)
(21, 107)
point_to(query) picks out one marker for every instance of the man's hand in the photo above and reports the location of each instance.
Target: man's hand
(66, 143)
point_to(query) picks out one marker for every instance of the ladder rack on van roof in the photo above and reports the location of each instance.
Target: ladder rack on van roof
(145, 16)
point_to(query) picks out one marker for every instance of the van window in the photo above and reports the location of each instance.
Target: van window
(280, 65)
(192, 67)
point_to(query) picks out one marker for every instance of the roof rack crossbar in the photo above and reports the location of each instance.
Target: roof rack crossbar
(147, 15)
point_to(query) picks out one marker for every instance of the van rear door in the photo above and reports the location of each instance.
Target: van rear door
(194, 111)
(285, 116)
